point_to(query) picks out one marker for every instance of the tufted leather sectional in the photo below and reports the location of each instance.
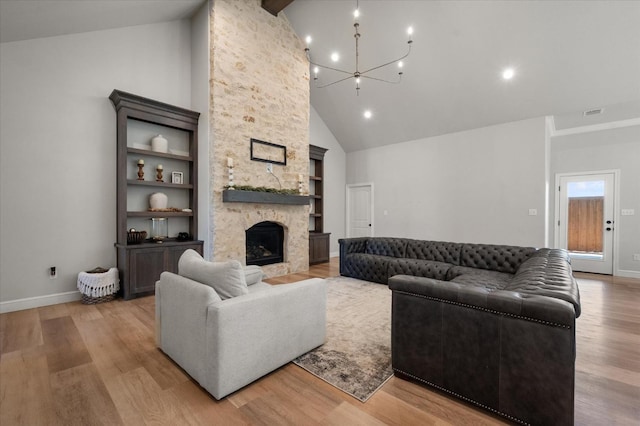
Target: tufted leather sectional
(493, 325)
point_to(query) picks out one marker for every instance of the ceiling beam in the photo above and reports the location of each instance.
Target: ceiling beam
(275, 6)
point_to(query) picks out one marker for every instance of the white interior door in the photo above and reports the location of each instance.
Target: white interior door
(585, 221)
(360, 210)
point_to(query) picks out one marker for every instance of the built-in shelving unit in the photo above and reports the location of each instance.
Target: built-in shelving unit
(318, 239)
(138, 120)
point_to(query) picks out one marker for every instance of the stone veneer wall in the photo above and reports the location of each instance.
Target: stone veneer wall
(259, 89)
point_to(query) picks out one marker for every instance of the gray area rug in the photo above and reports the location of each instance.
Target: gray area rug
(356, 358)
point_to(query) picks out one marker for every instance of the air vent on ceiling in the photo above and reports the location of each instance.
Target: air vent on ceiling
(594, 111)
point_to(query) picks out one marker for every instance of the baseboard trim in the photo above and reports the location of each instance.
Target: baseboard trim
(627, 274)
(38, 301)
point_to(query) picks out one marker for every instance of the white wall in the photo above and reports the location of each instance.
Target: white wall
(334, 179)
(58, 146)
(472, 186)
(608, 150)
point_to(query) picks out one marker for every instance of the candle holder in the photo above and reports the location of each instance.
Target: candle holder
(231, 184)
(159, 174)
(140, 171)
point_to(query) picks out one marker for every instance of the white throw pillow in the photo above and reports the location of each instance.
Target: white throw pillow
(226, 278)
(253, 274)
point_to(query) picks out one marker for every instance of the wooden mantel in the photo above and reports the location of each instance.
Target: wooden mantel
(238, 196)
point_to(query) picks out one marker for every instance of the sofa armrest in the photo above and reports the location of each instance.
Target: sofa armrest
(351, 245)
(251, 335)
(181, 312)
(532, 307)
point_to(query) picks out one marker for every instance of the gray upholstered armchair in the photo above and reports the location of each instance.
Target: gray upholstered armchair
(227, 344)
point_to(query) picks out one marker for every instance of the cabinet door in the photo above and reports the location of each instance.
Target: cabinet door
(146, 265)
(318, 248)
(176, 252)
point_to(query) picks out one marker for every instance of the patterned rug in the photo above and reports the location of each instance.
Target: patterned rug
(356, 357)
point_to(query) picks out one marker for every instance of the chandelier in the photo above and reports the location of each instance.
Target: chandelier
(357, 74)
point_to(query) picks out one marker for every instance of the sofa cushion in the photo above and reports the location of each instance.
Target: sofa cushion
(438, 251)
(368, 267)
(394, 247)
(494, 257)
(491, 281)
(419, 268)
(226, 278)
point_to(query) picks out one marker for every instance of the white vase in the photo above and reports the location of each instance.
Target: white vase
(158, 200)
(159, 144)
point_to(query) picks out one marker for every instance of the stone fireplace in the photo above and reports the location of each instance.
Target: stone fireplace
(259, 89)
(264, 244)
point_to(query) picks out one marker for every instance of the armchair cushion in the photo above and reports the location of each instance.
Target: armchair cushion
(226, 278)
(253, 274)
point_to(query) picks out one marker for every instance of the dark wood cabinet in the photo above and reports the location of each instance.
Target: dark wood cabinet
(318, 247)
(140, 265)
(318, 239)
(138, 120)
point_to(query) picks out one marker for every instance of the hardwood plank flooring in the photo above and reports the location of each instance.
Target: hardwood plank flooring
(80, 364)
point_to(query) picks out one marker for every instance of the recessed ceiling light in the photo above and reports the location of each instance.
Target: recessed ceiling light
(400, 64)
(367, 114)
(508, 73)
(335, 57)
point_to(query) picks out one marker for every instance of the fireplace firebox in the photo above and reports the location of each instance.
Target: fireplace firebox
(265, 242)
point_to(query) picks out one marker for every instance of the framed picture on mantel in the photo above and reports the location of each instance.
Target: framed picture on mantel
(268, 152)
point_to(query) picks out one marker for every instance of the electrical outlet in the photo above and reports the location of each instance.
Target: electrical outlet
(533, 212)
(627, 212)
(636, 256)
(270, 168)
(53, 273)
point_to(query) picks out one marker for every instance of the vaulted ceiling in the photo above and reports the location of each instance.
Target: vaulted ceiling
(569, 56)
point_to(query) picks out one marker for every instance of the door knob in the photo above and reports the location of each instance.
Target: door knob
(609, 222)
(609, 229)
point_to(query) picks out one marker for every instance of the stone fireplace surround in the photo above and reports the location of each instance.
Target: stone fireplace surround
(293, 218)
(259, 88)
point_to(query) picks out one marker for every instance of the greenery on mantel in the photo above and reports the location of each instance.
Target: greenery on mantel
(262, 189)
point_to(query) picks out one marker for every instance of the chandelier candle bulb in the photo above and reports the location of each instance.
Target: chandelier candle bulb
(229, 162)
(141, 162)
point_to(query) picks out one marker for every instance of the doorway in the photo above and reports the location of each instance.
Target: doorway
(585, 219)
(360, 210)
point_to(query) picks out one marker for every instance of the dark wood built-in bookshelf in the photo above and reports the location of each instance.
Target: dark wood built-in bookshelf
(138, 118)
(318, 239)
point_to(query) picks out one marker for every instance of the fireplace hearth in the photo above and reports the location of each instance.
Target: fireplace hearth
(265, 241)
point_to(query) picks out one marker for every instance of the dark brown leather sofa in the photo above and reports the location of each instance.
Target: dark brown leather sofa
(492, 325)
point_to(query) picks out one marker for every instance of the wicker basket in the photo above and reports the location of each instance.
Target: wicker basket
(98, 285)
(89, 300)
(136, 237)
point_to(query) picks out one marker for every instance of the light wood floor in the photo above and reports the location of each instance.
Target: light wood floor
(73, 364)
